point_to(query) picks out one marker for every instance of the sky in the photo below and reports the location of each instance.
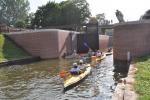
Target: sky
(131, 9)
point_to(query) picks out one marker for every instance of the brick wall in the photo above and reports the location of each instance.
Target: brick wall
(105, 42)
(133, 37)
(51, 43)
(47, 43)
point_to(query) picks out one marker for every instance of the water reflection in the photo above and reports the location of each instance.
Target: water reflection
(40, 81)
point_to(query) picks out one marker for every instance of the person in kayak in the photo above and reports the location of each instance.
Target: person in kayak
(90, 53)
(75, 70)
(109, 50)
(98, 53)
(81, 66)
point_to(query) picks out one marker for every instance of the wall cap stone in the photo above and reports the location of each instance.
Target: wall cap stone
(132, 23)
(39, 31)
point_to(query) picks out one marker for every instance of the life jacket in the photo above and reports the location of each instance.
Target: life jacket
(75, 71)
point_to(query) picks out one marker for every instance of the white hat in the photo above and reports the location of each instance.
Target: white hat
(80, 61)
(74, 64)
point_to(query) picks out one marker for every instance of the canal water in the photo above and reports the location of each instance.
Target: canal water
(40, 81)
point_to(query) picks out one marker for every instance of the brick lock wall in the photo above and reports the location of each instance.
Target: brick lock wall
(133, 37)
(47, 43)
(64, 42)
(103, 42)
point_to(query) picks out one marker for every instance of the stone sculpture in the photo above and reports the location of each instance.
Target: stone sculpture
(119, 16)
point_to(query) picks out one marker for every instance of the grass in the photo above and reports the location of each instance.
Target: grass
(9, 51)
(142, 84)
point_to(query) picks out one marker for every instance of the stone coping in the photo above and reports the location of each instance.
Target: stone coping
(124, 89)
(42, 31)
(132, 23)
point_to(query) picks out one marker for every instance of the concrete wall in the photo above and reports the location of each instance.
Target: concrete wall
(133, 37)
(47, 43)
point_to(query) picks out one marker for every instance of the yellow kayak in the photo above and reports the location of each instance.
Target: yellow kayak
(108, 53)
(76, 78)
(101, 58)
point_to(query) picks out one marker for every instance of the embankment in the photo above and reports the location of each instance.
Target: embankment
(10, 51)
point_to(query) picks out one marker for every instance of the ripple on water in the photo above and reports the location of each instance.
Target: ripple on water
(40, 81)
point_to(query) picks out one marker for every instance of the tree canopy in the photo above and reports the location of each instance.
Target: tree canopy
(47, 15)
(102, 20)
(146, 16)
(12, 11)
(93, 20)
(63, 13)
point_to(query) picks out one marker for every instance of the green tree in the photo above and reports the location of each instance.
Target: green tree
(146, 16)
(92, 20)
(47, 15)
(12, 11)
(70, 13)
(64, 13)
(102, 20)
(29, 20)
(20, 24)
(75, 11)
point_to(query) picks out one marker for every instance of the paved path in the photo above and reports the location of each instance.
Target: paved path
(124, 89)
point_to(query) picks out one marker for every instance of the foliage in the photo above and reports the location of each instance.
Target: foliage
(64, 13)
(146, 16)
(26, 23)
(142, 84)
(102, 20)
(8, 51)
(12, 11)
(93, 20)
(75, 11)
(47, 15)
(20, 24)
(28, 20)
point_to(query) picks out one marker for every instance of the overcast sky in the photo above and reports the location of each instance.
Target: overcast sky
(131, 9)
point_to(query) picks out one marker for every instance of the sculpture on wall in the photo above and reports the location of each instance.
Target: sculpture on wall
(119, 16)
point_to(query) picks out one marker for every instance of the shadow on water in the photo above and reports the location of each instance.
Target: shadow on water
(40, 81)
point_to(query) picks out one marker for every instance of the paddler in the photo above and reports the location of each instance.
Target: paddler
(90, 53)
(75, 70)
(82, 66)
(109, 50)
(98, 53)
